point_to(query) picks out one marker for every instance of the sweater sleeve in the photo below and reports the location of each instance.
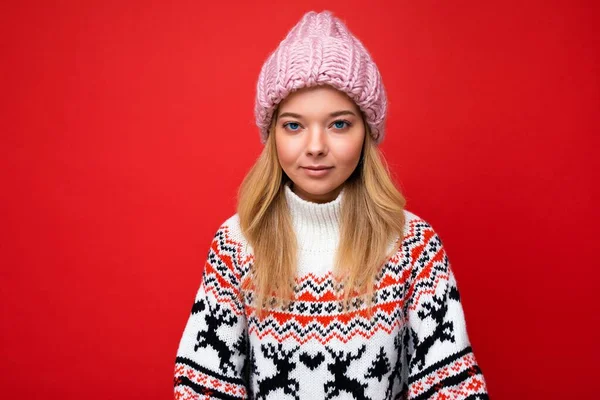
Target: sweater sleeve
(441, 362)
(211, 358)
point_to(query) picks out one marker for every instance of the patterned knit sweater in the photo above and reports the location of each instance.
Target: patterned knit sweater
(414, 345)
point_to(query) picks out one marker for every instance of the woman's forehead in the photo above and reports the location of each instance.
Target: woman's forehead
(319, 99)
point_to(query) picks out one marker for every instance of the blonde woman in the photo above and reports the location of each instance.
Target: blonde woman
(322, 285)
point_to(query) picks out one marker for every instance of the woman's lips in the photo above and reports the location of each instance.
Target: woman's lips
(317, 172)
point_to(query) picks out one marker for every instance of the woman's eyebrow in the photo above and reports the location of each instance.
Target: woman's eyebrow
(333, 114)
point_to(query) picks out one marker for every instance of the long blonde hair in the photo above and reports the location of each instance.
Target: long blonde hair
(371, 218)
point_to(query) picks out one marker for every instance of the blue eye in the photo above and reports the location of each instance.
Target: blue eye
(294, 126)
(341, 124)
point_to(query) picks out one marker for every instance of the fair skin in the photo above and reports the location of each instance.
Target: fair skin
(319, 135)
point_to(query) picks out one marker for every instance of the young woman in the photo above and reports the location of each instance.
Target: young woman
(322, 286)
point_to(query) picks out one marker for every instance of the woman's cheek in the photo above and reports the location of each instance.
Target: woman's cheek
(348, 154)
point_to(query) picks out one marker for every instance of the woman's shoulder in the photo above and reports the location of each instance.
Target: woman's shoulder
(417, 227)
(229, 244)
(230, 228)
(410, 216)
(412, 221)
(421, 242)
(231, 234)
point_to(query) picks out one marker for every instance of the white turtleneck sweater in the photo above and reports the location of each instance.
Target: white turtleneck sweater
(414, 346)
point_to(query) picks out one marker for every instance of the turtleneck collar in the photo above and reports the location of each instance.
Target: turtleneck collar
(317, 225)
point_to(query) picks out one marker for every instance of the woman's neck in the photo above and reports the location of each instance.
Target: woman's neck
(317, 225)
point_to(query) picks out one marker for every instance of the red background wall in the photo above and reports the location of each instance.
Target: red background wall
(127, 128)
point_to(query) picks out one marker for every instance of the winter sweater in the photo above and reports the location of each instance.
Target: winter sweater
(413, 346)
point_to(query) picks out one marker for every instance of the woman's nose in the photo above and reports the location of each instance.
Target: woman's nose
(317, 143)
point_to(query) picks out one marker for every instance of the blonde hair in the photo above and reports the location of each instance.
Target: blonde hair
(371, 217)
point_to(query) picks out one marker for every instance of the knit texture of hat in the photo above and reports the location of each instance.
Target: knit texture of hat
(320, 50)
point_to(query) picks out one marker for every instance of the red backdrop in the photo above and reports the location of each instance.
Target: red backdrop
(128, 126)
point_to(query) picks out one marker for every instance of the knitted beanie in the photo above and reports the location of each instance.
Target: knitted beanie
(320, 50)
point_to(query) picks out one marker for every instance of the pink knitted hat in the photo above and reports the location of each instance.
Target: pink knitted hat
(320, 50)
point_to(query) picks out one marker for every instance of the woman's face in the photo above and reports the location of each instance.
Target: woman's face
(319, 134)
